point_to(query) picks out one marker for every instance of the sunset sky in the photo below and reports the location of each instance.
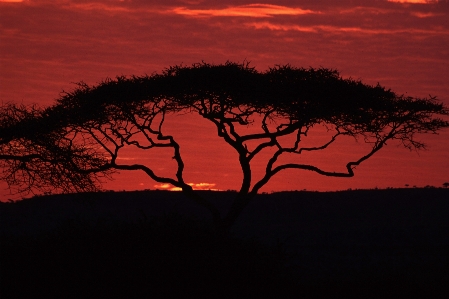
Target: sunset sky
(46, 45)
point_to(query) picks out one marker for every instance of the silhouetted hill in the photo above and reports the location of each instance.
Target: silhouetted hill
(377, 240)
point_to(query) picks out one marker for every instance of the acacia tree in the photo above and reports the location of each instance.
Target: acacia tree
(82, 136)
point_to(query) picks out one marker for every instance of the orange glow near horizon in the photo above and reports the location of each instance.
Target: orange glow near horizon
(195, 186)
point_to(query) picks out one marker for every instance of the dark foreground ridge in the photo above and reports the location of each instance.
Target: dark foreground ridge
(370, 243)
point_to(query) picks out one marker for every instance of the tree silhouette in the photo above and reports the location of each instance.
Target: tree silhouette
(33, 158)
(75, 143)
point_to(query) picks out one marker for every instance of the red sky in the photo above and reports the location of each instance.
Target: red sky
(403, 45)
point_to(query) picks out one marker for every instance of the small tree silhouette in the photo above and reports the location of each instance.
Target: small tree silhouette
(446, 184)
(75, 143)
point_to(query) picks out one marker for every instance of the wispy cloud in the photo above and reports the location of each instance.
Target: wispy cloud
(426, 14)
(283, 27)
(251, 10)
(337, 29)
(415, 1)
(106, 7)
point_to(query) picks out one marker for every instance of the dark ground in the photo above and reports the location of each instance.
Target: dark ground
(363, 243)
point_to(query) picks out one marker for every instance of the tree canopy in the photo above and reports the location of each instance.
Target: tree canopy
(75, 143)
